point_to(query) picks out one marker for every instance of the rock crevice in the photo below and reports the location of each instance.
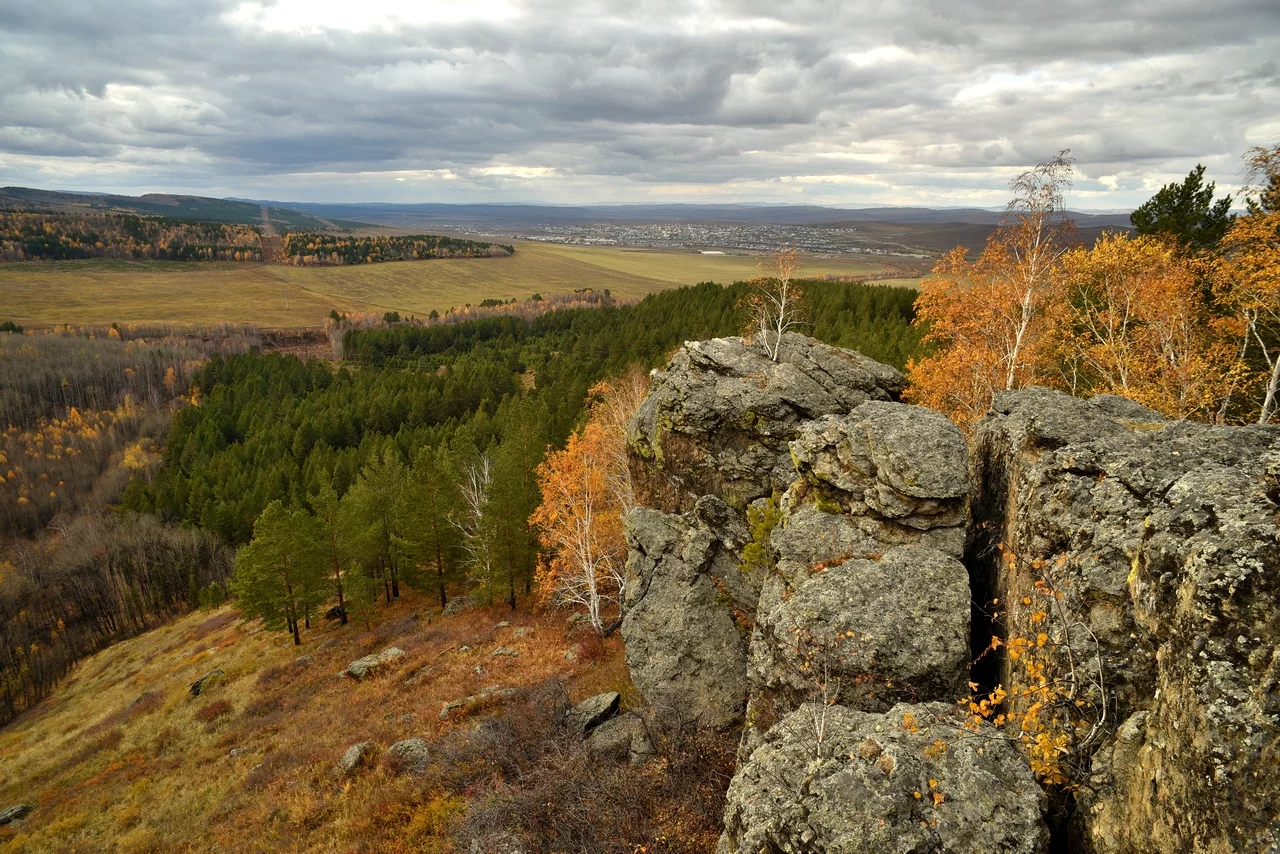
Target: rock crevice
(1130, 559)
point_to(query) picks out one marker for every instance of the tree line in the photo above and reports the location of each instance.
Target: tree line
(27, 236)
(84, 412)
(307, 249)
(1182, 316)
(419, 461)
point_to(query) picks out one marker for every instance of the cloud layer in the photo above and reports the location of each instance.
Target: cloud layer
(902, 101)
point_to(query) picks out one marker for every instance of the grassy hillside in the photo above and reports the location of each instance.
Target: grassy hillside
(123, 759)
(92, 292)
(160, 204)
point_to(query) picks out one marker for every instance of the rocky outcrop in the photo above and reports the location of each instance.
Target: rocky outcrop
(712, 438)
(718, 418)
(363, 668)
(685, 652)
(1130, 565)
(839, 781)
(411, 756)
(355, 757)
(1147, 553)
(868, 604)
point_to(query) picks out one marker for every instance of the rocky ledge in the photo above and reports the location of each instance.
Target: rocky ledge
(1130, 560)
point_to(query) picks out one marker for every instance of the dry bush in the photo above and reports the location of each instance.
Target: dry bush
(110, 741)
(209, 713)
(552, 795)
(145, 704)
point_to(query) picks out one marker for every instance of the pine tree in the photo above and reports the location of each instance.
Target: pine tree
(379, 539)
(336, 539)
(430, 499)
(279, 575)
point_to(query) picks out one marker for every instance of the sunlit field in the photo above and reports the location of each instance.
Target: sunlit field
(98, 292)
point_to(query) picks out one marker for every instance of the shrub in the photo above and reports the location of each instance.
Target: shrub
(210, 713)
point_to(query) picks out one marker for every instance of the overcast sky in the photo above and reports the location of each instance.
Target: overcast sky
(852, 103)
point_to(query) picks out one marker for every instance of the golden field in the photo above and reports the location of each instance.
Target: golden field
(103, 292)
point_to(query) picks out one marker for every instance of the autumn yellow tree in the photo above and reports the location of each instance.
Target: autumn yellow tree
(586, 489)
(987, 318)
(1134, 320)
(1247, 276)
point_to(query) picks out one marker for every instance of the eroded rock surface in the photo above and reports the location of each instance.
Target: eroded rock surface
(840, 781)
(684, 650)
(718, 419)
(865, 631)
(1160, 540)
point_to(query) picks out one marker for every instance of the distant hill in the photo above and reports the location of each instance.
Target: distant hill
(495, 214)
(188, 208)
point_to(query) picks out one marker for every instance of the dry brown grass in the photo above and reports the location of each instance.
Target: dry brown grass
(122, 759)
(103, 292)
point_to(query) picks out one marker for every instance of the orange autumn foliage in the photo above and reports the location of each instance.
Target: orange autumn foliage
(1247, 280)
(586, 489)
(1133, 320)
(987, 318)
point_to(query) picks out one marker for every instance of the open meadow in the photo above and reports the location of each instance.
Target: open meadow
(100, 292)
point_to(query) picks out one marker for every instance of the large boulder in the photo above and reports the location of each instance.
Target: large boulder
(718, 418)
(363, 668)
(685, 652)
(864, 631)
(1147, 555)
(411, 756)
(832, 780)
(905, 467)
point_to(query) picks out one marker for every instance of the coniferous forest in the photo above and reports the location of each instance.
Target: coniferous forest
(307, 249)
(414, 460)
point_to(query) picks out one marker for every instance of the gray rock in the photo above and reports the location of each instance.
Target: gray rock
(457, 605)
(685, 653)
(303, 661)
(205, 682)
(411, 756)
(573, 653)
(593, 711)
(505, 651)
(466, 705)
(356, 756)
(905, 466)
(362, 668)
(879, 784)
(867, 632)
(624, 738)
(718, 418)
(1161, 539)
(8, 815)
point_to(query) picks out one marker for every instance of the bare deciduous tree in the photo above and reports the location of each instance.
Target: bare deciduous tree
(776, 303)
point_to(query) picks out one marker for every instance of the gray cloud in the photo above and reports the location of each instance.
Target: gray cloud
(832, 102)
